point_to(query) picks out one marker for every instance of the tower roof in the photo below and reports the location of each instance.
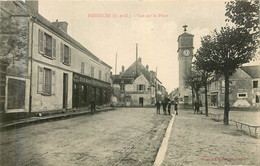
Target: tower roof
(185, 34)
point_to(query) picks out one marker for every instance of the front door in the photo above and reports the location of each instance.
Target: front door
(141, 101)
(65, 90)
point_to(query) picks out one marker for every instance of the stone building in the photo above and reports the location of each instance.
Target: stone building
(185, 55)
(48, 70)
(174, 94)
(244, 88)
(137, 86)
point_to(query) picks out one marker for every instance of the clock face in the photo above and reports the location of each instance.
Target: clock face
(186, 52)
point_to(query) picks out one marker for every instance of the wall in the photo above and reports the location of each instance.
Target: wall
(77, 57)
(240, 82)
(53, 102)
(14, 37)
(146, 95)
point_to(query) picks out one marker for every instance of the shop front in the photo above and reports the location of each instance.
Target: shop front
(86, 89)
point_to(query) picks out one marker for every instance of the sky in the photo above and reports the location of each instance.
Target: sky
(121, 27)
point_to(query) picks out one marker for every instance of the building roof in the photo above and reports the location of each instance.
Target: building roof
(184, 34)
(39, 18)
(123, 80)
(252, 71)
(130, 72)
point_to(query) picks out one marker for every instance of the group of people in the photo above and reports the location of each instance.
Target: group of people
(197, 105)
(166, 104)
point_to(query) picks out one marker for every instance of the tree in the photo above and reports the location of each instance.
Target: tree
(245, 14)
(194, 81)
(203, 65)
(229, 49)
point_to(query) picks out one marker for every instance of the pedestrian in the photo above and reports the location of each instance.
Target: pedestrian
(93, 105)
(158, 105)
(176, 107)
(164, 106)
(196, 105)
(200, 105)
(169, 108)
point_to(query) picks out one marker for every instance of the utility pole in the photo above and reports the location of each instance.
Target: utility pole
(136, 60)
(156, 86)
(116, 64)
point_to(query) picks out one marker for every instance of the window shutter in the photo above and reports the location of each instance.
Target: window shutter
(40, 44)
(44, 42)
(53, 82)
(61, 52)
(137, 86)
(53, 48)
(144, 88)
(69, 56)
(40, 80)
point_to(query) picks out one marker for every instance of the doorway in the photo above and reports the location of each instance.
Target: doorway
(65, 90)
(141, 101)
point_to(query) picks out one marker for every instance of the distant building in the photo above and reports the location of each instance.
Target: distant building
(244, 90)
(48, 70)
(185, 55)
(137, 86)
(174, 94)
(164, 93)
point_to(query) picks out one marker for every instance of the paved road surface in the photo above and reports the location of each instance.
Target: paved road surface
(128, 136)
(196, 140)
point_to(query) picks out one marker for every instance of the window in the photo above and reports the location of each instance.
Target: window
(46, 81)
(241, 95)
(255, 84)
(122, 87)
(141, 87)
(65, 54)
(99, 74)
(149, 88)
(92, 71)
(257, 98)
(47, 45)
(82, 67)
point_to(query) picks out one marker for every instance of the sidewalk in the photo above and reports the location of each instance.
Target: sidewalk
(198, 140)
(40, 119)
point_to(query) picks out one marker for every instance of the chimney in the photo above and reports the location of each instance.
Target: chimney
(147, 67)
(140, 60)
(123, 69)
(63, 25)
(33, 5)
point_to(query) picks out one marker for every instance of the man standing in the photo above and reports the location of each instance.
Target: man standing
(169, 107)
(196, 105)
(164, 107)
(158, 105)
(200, 105)
(176, 107)
(93, 105)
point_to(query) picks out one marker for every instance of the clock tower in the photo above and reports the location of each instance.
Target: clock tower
(185, 55)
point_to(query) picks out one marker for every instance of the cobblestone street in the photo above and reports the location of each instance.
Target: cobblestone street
(198, 140)
(127, 136)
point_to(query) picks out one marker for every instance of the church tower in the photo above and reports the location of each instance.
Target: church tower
(185, 55)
